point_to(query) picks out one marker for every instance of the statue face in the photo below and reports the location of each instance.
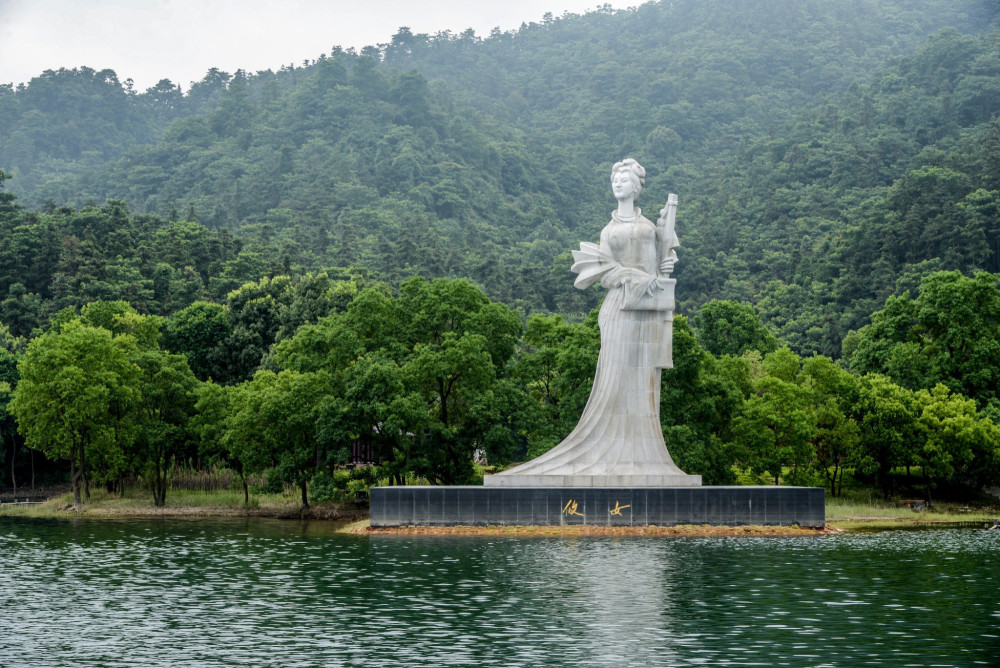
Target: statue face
(622, 186)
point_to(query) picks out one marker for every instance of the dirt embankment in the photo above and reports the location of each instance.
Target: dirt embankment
(683, 530)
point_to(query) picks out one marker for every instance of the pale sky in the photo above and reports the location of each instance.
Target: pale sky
(180, 40)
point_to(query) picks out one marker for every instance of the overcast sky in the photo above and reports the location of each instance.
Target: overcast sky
(180, 40)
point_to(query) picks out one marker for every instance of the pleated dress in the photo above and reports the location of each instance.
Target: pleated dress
(619, 432)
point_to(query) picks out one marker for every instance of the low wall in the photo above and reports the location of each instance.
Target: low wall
(664, 506)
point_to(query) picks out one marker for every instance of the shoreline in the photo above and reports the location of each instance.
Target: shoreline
(353, 519)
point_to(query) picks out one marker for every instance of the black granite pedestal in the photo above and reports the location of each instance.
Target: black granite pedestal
(659, 506)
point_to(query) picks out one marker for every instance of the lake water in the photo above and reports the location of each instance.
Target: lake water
(272, 593)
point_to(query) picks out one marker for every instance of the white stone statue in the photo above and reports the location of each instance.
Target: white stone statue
(618, 441)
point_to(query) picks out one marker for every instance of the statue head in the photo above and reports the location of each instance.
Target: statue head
(635, 173)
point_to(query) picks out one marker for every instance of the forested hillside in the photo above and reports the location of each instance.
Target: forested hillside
(828, 157)
(794, 133)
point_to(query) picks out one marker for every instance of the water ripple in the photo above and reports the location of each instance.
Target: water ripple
(220, 593)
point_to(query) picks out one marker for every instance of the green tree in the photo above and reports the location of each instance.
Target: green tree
(118, 317)
(699, 399)
(452, 378)
(777, 425)
(576, 361)
(835, 392)
(8, 209)
(946, 335)
(199, 332)
(732, 328)
(536, 369)
(8, 425)
(248, 448)
(955, 443)
(77, 386)
(208, 426)
(255, 314)
(21, 310)
(458, 345)
(168, 395)
(299, 424)
(886, 416)
(376, 410)
(330, 345)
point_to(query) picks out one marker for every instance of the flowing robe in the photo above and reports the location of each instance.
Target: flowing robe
(619, 432)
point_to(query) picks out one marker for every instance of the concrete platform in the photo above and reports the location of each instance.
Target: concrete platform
(616, 481)
(659, 506)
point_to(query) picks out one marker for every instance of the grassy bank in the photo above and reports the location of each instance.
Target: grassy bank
(868, 513)
(190, 503)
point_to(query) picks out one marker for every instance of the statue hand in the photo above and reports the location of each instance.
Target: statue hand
(630, 275)
(667, 266)
(671, 202)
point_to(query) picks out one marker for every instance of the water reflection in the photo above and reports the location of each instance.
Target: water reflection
(196, 593)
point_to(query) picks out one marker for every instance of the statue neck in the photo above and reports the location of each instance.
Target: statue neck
(626, 210)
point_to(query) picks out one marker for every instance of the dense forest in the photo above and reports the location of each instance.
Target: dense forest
(378, 242)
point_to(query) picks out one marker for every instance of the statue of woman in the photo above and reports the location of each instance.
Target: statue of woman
(618, 441)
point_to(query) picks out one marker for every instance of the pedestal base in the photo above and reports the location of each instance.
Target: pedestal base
(602, 481)
(659, 506)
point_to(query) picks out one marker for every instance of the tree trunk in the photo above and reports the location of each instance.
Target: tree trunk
(32, 453)
(74, 477)
(83, 474)
(246, 490)
(13, 454)
(885, 480)
(305, 501)
(444, 402)
(159, 483)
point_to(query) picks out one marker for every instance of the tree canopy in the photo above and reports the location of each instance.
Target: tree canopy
(363, 261)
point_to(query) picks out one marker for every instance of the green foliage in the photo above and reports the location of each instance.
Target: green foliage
(208, 424)
(886, 417)
(699, 399)
(343, 485)
(199, 332)
(864, 135)
(538, 371)
(77, 390)
(956, 443)
(8, 425)
(273, 483)
(323, 487)
(777, 424)
(414, 380)
(163, 422)
(732, 328)
(946, 335)
(864, 171)
(835, 441)
(287, 421)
